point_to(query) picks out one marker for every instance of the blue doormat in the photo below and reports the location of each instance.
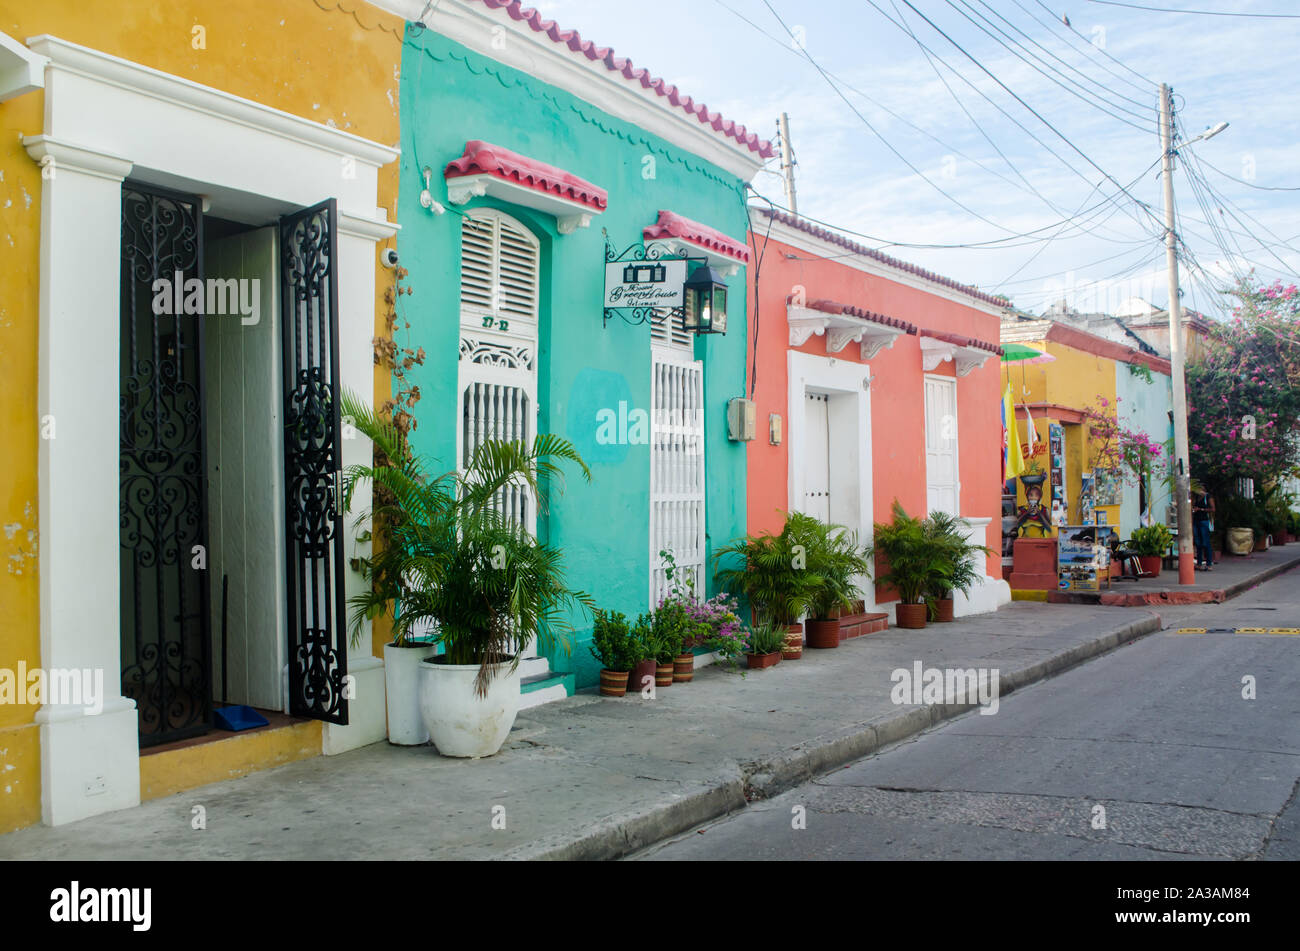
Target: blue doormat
(238, 718)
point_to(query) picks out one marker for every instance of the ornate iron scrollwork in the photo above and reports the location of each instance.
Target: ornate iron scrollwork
(312, 434)
(165, 624)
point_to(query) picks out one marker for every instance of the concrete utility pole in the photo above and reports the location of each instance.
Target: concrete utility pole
(1182, 472)
(1182, 476)
(787, 163)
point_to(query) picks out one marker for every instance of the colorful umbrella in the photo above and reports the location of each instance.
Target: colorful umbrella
(1019, 353)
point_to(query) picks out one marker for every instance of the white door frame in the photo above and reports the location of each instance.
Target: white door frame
(849, 410)
(243, 158)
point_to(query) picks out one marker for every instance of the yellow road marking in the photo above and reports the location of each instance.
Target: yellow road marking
(1191, 630)
(1284, 630)
(1252, 630)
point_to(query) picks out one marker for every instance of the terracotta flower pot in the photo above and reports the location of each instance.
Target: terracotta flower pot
(1261, 544)
(1150, 564)
(613, 683)
(759, 661)
(637, 681)
(684, 668)
(823, 634)
(664, 674)
(911, 616)
(944, 609)
(793, 649)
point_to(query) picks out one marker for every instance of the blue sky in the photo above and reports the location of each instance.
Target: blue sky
(1237, 69)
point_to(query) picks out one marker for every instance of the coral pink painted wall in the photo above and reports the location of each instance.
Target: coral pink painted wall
(897, 391)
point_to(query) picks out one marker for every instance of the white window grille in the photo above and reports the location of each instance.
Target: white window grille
(676, 466)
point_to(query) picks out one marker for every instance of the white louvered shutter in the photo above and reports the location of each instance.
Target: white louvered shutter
(498, 343)
(676, 464)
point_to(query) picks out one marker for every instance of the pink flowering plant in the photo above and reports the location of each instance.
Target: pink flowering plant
(1244, 394)
(1128, 454)
(714, 623)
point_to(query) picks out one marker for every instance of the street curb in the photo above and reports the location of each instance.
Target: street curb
(619, 836)
(1241, 586)
(789, 769)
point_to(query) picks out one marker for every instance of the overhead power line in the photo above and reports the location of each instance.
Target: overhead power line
(1204, 13)
(1071, 89)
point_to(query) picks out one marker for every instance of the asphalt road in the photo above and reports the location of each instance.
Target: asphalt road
(1149, 752)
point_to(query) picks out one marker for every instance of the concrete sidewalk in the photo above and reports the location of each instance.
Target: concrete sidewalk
(1231, 575)
(593, 777)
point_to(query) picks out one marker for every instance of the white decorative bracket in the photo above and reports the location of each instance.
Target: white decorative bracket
(569, 215)
(840, 330)
(725, 266)
(965, 359)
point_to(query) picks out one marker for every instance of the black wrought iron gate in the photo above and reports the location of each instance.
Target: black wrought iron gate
(165, 625)
(312, 462)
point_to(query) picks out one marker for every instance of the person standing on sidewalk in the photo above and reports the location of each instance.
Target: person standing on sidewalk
(1202, 526)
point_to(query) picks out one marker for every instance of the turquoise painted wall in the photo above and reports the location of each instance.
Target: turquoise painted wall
(450, 95)
(1145, 407)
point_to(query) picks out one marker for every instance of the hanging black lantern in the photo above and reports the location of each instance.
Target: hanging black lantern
(706, 302)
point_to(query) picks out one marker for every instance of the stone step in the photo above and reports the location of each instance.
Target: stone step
(543, 688)
(532, 666)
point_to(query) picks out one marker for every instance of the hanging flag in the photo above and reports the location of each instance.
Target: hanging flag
(1014, 463)
(1033, 433)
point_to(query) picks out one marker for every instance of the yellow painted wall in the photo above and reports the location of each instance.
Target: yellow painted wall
(1075, 380)
(324, 60)
(162, 774)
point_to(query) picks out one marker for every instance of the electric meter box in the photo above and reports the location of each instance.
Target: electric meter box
(742, 419)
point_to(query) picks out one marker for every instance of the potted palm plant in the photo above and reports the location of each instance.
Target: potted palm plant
(1150, 543)
(611, 644)
(957, 569)
(452, 559)
(914, 563)
(834, 563)
(772, 574)
(764, 644)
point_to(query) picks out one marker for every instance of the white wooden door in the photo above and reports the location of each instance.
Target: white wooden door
(941, 482)
(676, 466)
(817, 460)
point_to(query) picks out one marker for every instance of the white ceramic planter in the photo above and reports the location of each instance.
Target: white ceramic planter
(402, 685)
(461, 723)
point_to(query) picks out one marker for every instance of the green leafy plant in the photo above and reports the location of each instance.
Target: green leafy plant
(767, 637)
(611, 641)
(958, 567)
(447, 554)
(1151, 541)
(834, 562)
(916, 562)
(771, 572)
(641, 640)
(670, 627)
(1237, 512)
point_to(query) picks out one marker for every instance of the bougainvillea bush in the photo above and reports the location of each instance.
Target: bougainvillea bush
(1244, 396)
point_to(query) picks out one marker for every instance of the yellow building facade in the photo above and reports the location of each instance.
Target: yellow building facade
(257, 109)
(1088, 372)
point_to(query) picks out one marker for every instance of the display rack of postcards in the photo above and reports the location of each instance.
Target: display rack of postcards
(1086, 499)
(1059, 509)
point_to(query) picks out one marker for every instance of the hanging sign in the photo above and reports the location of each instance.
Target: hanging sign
(645, 283)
